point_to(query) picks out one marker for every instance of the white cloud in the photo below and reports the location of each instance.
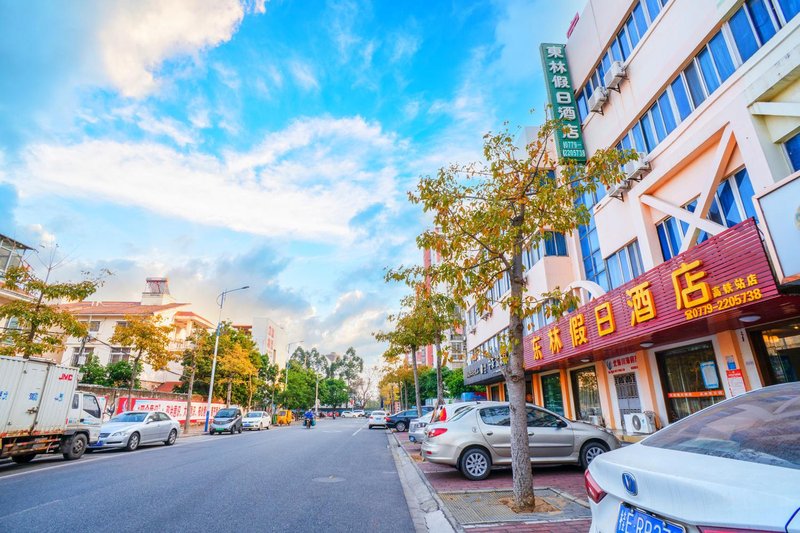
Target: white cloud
(138, 36)
(303, 75)
(306, 181)
(405, 46)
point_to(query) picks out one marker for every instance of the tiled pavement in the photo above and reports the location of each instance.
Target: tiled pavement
(568, 479)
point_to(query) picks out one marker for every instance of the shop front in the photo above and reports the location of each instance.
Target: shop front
(777, 351)
(690, 379)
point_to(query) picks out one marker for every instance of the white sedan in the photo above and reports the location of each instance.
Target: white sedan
(376, 418)
(256, 420)
(732, 467)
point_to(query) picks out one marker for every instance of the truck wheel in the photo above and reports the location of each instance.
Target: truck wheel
(133, 442)
(23, 459)
(75, 447)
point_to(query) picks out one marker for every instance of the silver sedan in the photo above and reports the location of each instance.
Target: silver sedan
(131, 429)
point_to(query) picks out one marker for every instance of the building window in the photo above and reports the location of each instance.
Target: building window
(732, 203)
(586, 394)
(793, 150)
(93, 326)
(624, 265)
(119, 354)
(690, 379)
(553, 244)
(77, 359)
(593, 264)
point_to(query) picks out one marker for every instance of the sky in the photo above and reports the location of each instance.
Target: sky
(254, 142)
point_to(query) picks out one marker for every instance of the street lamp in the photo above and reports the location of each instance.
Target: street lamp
(220, 302)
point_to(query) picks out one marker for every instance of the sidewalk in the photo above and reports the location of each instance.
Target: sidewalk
(566, 481)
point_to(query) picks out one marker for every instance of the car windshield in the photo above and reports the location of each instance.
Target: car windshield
(378, 413)
(460, 412)
(760, 427)
(129, 417)
(225, 413)
(255, 414)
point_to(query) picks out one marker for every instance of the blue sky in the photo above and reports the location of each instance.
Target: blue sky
(261, 143)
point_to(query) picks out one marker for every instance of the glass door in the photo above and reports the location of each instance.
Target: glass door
(551, 392)
(690, 379)
(587, 394)
(779, 353)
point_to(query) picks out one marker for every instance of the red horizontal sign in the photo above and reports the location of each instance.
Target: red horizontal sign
(725, 272)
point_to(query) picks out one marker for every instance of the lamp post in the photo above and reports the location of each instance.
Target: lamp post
(220, 302)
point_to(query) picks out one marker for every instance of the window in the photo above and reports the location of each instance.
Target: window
(119, 354)
(121, 324)
(681, 98)
(555, 244)
(743, 34)
(722, 56)
(665, 106)
(90, 406)
(593, 265)
(586, 393)
(496, 416)
(77, 360)
(793, 151)
(541, 419)
(762, 20)
(708, 70)
(93, 326)
(653, 7)
(624, 265)
(790, 8)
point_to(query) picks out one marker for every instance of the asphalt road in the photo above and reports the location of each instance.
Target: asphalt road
(338, 476)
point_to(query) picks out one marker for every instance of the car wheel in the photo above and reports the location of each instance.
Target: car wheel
(590, 451)
(476, 464)
(400, 427)
(23, 459)
(369, 427)
(240, 430)
(133, 442)
(75, 447)
(173, 436)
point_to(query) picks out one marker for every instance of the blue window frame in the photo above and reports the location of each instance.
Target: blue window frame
(555, 244)
(708, 70)
(649, 135)
(743, 34)
(653, 7)
(658, 122)
(722, 56)
(640, 18)
(665, 106)
(793, 150)
(638, 138)
(633, 32)
(681, 98)
(616, 50)
(746, 193)
(583, 108)
(759, 13)
(729, 211)
(695, 85)
(622, 37)
(790, 8)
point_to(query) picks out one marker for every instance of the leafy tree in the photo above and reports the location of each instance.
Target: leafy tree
(454, 383)
(148, 339)
(42, 325)
(121, 373)
(94, 373)
(299, 394)
(333, 392)
(235, 365)
(485, 214)
(311, 359)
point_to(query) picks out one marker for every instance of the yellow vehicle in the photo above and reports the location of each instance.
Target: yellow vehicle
(284, 418)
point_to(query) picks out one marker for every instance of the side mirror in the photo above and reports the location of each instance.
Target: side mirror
(561, 424)
(148, 420)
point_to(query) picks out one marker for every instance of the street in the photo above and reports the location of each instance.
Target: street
(338, 476)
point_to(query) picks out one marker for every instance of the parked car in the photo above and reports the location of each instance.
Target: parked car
(376, 418)
(284, 418)
(734, 466)
(228, 419)
(131, 429)
(400, 421)
(478, 438)
(417, 426)
(359, 412)
(348, 414)
(256, 420)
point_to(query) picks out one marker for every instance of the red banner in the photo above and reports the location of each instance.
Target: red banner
(725, 272)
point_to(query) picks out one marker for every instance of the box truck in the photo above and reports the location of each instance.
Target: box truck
(41, 411)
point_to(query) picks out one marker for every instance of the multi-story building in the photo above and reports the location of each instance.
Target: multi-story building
(681, 307)
(101, 319)
(12, 254)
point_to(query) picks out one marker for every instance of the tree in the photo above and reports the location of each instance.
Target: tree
(94, 373)
(149, 340)
(42, 325)
(454, 382)
(236, 366)
(121, 373)
(299, 394)
(333, 392)
(484, 215)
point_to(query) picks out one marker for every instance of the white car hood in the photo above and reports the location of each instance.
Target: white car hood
(701, 489)
(113, 427)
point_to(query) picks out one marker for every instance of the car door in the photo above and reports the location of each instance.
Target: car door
(91, 416)
(552, 439)
(164, 426)
(150, 428)
(495, 425)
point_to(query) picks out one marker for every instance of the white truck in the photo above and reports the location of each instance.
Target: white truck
(41, 411)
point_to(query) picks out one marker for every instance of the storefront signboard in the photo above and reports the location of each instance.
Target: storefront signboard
(621, 365)
(482, 370)
(175, 409)
(569, 139)
(735, 382)
(780, 211)
(724, 273)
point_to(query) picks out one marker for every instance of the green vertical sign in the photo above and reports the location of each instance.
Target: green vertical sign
(569, 142)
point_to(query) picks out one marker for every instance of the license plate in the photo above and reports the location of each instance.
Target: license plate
(635, 521)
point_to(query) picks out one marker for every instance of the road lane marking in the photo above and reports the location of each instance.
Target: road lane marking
(30, 509)
(359, 429)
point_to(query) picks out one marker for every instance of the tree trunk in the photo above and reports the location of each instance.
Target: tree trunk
(249, 392)
(416, 379)
(134, 372)
(228, 397)
(439, 385)
(515, 381)
(188, 420)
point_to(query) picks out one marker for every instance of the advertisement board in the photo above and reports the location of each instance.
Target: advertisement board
(174, 408)
(569, 140)
(780, 213)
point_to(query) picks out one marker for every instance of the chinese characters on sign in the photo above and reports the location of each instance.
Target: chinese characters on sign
(569, 141)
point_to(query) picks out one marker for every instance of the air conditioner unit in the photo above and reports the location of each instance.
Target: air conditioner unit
(635, 170)
(598, 98)
(639, 423)
(614, 75)
(616, 191)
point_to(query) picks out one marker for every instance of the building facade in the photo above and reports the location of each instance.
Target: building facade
(12, 254)
(101, 319)
(681, 307)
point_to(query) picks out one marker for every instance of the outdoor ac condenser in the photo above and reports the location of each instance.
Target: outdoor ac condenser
(614, 75)
(598, 98)
(638, 423)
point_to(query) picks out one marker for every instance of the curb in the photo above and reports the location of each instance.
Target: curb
(428, 511)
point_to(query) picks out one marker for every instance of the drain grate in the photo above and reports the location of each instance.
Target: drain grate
(481, 507)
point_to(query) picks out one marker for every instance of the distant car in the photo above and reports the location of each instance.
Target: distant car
(359, 412)
(131, 429)
(376, 418)
(256, 420)
(284, 418)
(228, 419)
(477, 438)
(348, 414)
(732, 467)
(401, 421)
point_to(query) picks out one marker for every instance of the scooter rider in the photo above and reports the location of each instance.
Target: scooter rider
(309, 416)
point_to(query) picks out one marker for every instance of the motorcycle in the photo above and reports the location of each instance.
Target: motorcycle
(308, 423)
